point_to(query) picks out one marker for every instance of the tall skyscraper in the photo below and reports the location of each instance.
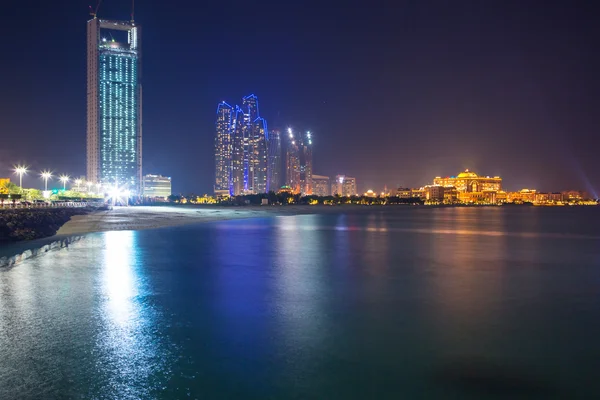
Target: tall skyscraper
(274, 161)
(292, 162)
(238, 156)
(114, 104)
(299, 162)
(306, 183)
(258, 156)
(241, 152)
(223, 149)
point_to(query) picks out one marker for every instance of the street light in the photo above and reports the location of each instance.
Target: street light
(98, 186)
(45, 176)
(78, 182)
(64, 179)
(89, 185)
(21, 170)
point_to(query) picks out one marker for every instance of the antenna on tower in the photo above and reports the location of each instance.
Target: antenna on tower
(93, 12)
(132, 9)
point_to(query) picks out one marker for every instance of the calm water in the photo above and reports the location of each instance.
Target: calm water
(378, 303)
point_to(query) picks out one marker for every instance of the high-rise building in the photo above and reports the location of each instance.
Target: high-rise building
(320, 185)
(157, 186)
(344, 186)
(241, 154)
(306, 183)
(292, 162)
(299, 162)
(274, 161)
(238, 157)
(223, 148)
(258, 160)
(114, 104)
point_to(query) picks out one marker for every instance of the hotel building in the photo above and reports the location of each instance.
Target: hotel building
(114, 104)
(157, 186)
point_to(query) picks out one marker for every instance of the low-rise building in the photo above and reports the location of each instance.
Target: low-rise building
(157, 186)
(434, 193)
(404, 193)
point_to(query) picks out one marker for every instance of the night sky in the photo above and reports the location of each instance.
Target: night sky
(395, 92)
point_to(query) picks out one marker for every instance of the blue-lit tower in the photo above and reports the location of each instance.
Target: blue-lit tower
(114, 104)
(223, 149)
(238, 157)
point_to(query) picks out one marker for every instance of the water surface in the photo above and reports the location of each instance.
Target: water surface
(396, 302)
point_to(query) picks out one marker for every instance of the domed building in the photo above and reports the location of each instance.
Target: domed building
(472, 188)
(469, 181)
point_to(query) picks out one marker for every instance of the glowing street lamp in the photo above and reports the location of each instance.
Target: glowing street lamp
(64, 179)
(21, 170)
(45, 176)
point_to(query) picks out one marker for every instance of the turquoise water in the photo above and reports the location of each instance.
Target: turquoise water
(396, 302)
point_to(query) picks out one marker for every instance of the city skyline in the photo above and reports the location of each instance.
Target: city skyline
(474, 112)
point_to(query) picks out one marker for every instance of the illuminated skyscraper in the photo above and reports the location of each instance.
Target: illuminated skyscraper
(274, 161)
(241, 148)
(306, 184)
(114, 104)
(223, 149)
(299, 162)
(292, 162)
(258, 157)
(238, 129)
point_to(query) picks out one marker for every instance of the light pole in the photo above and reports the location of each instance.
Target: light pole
(45, 176)
(64, 179)
(89, 185)
(78, 183)
(20, 170)
(98, 186)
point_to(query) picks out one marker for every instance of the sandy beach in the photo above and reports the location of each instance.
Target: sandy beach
(148, 217)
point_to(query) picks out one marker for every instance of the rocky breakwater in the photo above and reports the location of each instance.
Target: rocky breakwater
(37, 249)
(28, 224)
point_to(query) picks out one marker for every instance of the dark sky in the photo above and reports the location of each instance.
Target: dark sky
(396, 92)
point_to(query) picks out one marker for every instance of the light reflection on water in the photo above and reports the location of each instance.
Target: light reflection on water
(378, 304)
(129, 348)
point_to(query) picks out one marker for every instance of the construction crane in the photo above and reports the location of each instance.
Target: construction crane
(93, 12)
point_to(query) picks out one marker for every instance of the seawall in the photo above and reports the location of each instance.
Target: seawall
(13, 255)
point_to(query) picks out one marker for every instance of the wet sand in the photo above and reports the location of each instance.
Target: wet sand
(149, 217)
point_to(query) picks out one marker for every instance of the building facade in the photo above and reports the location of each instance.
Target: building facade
(114, 104)
(469, 181)
(157, 186)
(321, 185)
(223, 148)
(344, 186)
(298, 165)
(274, 167)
